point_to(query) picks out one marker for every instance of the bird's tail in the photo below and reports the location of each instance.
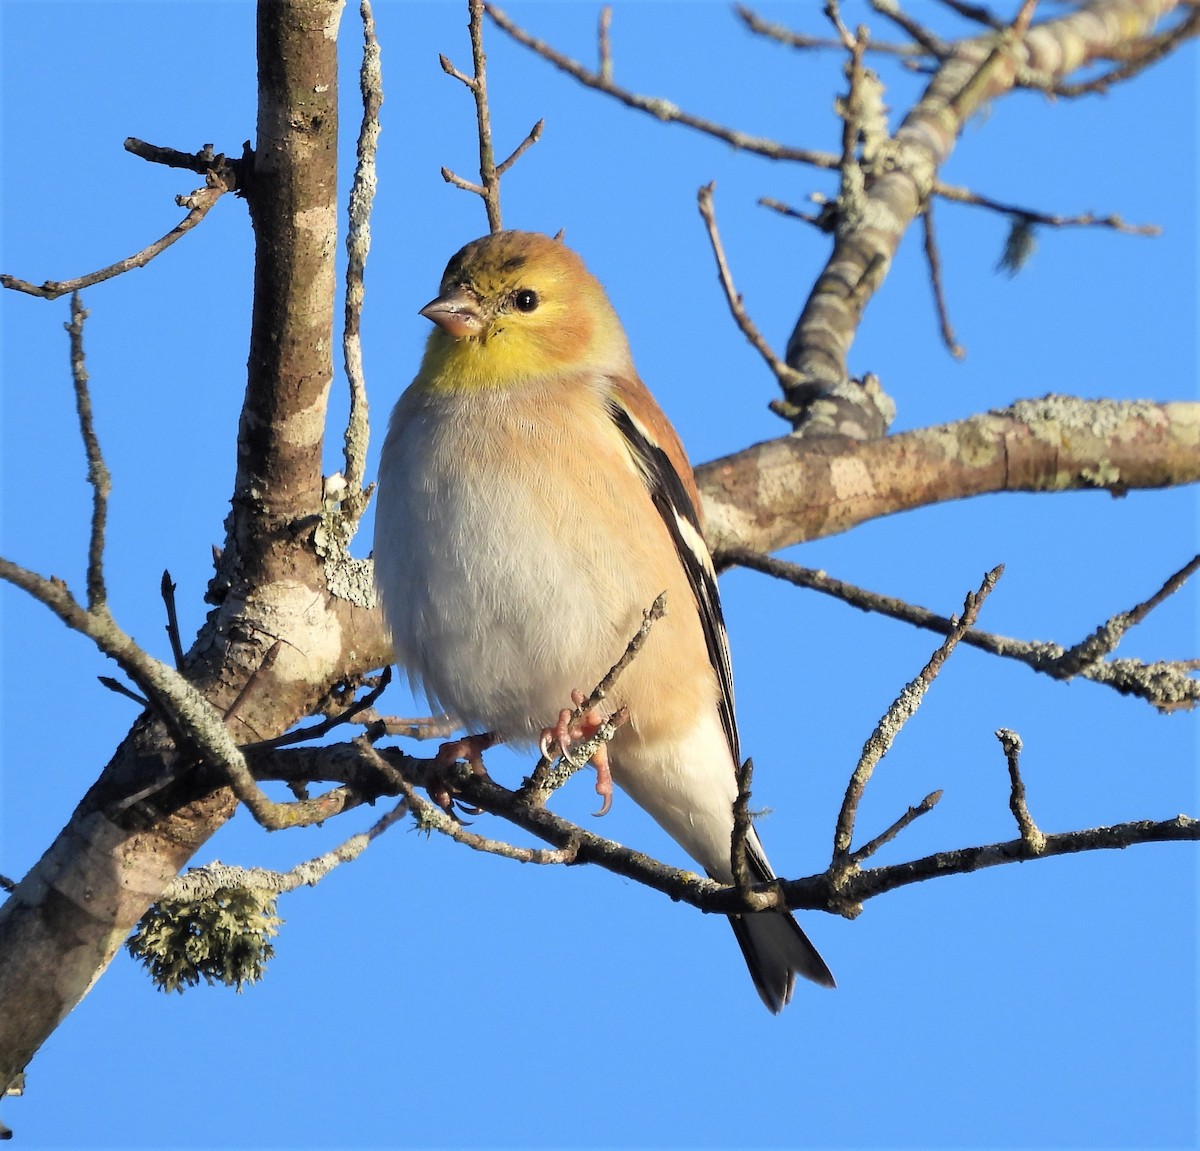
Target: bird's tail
(776, 951)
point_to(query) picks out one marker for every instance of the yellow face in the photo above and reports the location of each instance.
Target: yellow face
(517, 306)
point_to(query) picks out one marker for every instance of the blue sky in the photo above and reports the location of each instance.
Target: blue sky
(425, 996)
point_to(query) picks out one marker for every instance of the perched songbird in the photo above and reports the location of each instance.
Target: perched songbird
(533, 501)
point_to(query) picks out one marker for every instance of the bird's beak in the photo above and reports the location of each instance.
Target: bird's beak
(456, 312)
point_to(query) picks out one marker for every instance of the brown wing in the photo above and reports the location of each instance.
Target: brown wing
(668, 477)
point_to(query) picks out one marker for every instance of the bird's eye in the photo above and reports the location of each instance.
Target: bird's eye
(525, 300)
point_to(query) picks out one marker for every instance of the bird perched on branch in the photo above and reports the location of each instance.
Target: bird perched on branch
(533, 501)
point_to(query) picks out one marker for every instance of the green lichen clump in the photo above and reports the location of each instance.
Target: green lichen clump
(224, 939)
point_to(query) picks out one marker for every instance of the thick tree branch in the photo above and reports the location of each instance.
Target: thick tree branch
(785, 491)
(150, 811)
(899, 185)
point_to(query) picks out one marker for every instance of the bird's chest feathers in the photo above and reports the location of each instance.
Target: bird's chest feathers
(501, 566)
(492, 533)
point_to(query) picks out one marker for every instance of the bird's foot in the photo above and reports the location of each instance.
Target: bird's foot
(470, 748)
(572, 729)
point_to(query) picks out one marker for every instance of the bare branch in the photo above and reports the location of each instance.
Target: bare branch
(1165, 685)
(658, 108)
(97, 475)
(167, 590)
(786, 490)
(431, 817)
(864, 885)
(976, 12)
(889, 726)
(358, 244)
(736, 307)
(935, 279)
(218, 181)
(741, 827)
(911, 815)
(929, 42)
(845, 896)
(603, 36)
(1105, 638)
(118, 688)
(1030, 835)
(200, 883)
(823, 220)
(488, 188)
(762, 27)
(535, 134)
(827, 402)
(960, 195)
(1138, 57)
(316, 730)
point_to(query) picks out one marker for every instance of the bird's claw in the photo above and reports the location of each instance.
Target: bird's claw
(470, 748)
(567, 730)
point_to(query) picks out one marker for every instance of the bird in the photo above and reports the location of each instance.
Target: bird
(533, 500)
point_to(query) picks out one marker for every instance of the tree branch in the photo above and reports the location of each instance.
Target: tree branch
(781, 492)
(1168, 686)
(488, 188)
(901, 711)
(601, 80)
(220, 177)
(358, 245)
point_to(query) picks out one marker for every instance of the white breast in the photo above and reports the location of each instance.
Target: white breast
(493, 608)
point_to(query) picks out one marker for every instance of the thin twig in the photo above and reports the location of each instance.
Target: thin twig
(913, 813)
(535, 134)
(824, 220)
(358, 245)
(544, 779)
(741, 827)
(833, 12)
(316, 730)
(167, 590)
(976, 12)
(762, 27)
(896, 716)
(1103, 641)
(960, 195)
(265, 665)
(431, 817)
(97, 474)
(488, 188)
(1165, 685)
(425, 727)
(660, 109)
(201, 883)
(115, 685)
(930, 43)
(200, 202)
(863, 885)
(934, 260)
(603, 35)
(783, 373)
(1034, 839)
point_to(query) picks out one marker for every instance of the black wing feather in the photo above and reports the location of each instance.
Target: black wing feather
(674, 505)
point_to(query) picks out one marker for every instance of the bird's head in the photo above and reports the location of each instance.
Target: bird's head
(515, 307)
